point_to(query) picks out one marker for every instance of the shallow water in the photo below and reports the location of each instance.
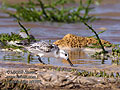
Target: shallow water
(110, 20)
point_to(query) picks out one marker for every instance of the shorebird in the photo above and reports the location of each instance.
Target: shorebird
(44, 49)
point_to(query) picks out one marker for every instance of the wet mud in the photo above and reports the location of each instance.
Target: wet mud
(37, 77)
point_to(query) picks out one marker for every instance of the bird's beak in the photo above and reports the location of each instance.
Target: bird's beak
(70, 62)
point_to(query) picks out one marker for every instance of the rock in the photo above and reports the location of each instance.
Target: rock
(111, 80)
(87, 81)
(73, 41)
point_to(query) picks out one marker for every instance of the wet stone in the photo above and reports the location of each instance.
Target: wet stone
(112, 80)
(87, 81)
(99, 79)
(100, 85)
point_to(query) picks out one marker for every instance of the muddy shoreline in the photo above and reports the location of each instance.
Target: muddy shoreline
(47, 77)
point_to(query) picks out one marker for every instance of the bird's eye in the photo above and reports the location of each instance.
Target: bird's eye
(65, 54)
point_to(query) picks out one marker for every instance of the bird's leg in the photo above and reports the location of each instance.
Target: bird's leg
(40, 60)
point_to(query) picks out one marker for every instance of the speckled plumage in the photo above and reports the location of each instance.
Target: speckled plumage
(44, 49)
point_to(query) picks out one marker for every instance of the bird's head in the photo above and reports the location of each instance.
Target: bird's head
(65, 55)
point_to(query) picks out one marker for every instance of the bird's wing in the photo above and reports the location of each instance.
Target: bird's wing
(42, 47)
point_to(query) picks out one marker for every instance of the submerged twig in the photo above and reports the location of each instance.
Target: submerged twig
(104, 51)
(24, 29)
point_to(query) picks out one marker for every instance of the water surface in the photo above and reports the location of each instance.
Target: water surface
(110, 20)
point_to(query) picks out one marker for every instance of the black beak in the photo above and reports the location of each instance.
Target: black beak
(70, 62)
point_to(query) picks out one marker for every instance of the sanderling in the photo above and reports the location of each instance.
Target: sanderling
(44, 49)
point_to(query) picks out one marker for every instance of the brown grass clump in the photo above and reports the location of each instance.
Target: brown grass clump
(73, 41)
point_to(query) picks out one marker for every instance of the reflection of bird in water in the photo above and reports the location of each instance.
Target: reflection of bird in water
(44, 49)
(77, 55)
